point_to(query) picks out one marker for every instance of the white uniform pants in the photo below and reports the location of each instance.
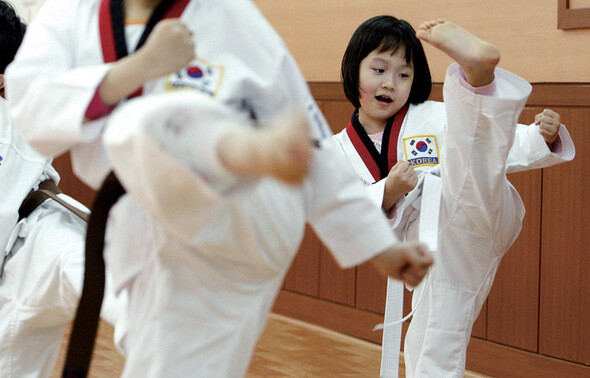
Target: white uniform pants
(480, 217)
(39, 291)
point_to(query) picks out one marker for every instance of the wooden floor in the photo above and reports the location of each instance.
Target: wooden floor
(287, 348)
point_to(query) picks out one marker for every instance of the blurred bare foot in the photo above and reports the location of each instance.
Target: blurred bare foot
(281, 150)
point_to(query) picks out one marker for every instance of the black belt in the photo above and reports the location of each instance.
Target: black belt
(85, 325)
(47, 189)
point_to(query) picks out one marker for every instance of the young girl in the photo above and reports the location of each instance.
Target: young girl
(399, 144)
(203, 239)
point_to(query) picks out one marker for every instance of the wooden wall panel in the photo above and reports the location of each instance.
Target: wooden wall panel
(495, 360)
(337, 113)
(371, 289)
(513, 302)
(336, 284)
(565, 255)
(304, 274)
(340, 318)
(480, 327)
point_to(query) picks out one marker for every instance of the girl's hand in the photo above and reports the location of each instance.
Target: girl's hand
(549, 122)
(401, 180)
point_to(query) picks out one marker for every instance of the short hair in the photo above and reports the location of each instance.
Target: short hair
(385, 33)
(12, 31)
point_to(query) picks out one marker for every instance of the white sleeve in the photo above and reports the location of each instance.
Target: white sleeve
(375, 192)
(530, 151)
(48, 93)
(338, 208)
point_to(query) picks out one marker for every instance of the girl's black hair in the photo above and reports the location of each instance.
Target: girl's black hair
(12, 31)
(385, 33)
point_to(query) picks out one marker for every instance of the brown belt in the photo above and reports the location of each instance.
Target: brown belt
(85, 324)
(47, 189)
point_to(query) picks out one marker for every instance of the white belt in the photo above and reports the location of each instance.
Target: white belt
(429, 208)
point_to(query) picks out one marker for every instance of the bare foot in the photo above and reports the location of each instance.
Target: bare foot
(281, 150)
(476, 57)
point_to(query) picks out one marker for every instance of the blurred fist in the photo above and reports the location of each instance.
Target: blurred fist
(169, 47)
(549, 122)
(407, 262)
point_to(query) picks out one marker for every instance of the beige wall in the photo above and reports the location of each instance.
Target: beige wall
(317, 32)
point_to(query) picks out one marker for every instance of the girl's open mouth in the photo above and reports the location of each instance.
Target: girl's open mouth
(383, 99)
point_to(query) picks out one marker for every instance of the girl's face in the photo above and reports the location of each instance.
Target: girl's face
(385, 82)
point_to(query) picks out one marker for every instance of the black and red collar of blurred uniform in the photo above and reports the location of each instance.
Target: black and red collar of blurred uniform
(111, 22)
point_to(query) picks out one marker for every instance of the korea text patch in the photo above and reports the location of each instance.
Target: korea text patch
(421, 150)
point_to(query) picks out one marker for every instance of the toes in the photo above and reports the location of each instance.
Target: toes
(424, 25)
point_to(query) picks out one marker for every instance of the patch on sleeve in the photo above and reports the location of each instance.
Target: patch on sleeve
(199, 75)
(421, 150)
(319, 126)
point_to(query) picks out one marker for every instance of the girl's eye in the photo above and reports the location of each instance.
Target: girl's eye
(379, 70)
(404, 75)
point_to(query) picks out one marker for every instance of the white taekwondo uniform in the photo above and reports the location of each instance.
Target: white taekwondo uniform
(42, 259)
(203, 268)
(473, 141)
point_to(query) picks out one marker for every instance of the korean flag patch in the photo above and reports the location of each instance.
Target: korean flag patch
(199, 75)
(421, 150)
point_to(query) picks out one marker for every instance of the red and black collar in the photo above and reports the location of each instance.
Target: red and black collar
(379, 164)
